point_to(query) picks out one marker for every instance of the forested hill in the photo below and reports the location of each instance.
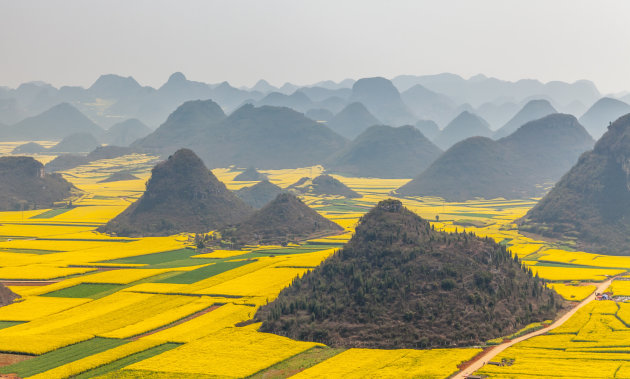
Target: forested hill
(399, 283)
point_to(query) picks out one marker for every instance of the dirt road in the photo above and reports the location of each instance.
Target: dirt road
(481, 360)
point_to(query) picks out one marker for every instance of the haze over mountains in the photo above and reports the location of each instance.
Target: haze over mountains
(403, 100)
(465, 125)
(517, 166)
(358, 128)
(533, 110)
(601, 114)
(269, 137)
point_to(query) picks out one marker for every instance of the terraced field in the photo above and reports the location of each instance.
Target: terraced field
(95, 305)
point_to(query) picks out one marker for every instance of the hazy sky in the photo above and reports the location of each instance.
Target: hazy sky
(72, 42)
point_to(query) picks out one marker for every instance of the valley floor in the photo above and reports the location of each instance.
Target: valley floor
(94, 305)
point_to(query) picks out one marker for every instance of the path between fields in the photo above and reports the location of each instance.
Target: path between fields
(480, 360)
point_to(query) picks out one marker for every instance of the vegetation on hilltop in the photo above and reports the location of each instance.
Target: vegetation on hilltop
(399, 283)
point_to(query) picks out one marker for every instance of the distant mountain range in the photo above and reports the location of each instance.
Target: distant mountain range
(480, 89)
(241, 125)
(285, 219)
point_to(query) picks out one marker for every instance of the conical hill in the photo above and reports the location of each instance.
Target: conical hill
(182, 195)
(398, 283)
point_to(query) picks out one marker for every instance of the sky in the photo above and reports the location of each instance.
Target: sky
(73, 42)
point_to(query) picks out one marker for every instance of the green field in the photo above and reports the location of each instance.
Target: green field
(297, 363)
(159, 258)
(8, 324)
(52, 213)
(133, 358)
(204, 272)
(86, 290)
(61, 356)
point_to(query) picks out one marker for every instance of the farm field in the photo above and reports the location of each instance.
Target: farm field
(96, 305)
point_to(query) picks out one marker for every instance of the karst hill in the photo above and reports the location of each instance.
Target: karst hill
(399, 283)
(285, 219)
(182, 195)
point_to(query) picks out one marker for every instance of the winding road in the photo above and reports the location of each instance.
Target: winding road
(480, 360)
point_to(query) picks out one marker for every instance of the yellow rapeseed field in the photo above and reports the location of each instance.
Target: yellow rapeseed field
(572, 292)
(34, 307)
(230, 352)
(372, 363)
(96, 360)
(66, 251)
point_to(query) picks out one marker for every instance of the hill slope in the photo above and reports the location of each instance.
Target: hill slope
(518, 166)
(6, 295)
(181, 127)
(76, 143)
(250, 174)
(602, 113)
(385, 152)
(126, 132)
(54, 124)
(400, 284)
(29, 148)
(591, 203)
(533, 110)
(323, 185)
(285, 219)
(182, 195)
(428, 128)
(267, 138)
(260, 194)
(383, 100)
(24, 185)
(353, 120)
(463, 126)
